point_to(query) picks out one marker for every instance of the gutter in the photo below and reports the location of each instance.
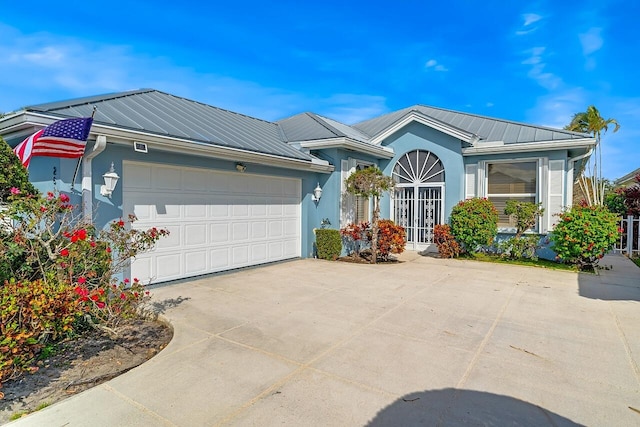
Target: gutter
(87, 187)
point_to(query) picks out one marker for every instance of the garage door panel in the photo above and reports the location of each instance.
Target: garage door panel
(219, 233)
(219, 210)
(195, 211)
(217, 220)
(258, 253)
(259, 230)
(240, 208)
(195, 234)
(167, 178)
(239, 231)
(196, 262)
(168, 265)
(240, 255)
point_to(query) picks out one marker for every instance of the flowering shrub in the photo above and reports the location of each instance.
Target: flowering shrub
(584, 234)
(446, 243)
(355, 236)
(391, 237)
(474, 223)
(57, 272)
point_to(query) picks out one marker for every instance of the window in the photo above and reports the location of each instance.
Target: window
(511, 181)
(362, 203)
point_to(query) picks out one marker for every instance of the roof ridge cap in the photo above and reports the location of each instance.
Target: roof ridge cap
(320, 120)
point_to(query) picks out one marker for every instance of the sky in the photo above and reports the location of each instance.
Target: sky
(536, 62)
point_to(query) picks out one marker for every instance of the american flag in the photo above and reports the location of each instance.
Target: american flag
(64, 138)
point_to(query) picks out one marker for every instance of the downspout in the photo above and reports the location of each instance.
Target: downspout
(87, 186)
(572, 161)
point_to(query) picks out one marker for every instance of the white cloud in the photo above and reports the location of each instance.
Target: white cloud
(432, 64)
(489, 104)
(537, 71)
(527, 26)
(530, 18)
(591, 41)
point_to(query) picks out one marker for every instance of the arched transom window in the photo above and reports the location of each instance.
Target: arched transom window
(419, 167)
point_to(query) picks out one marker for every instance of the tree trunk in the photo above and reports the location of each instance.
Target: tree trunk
(374, 230)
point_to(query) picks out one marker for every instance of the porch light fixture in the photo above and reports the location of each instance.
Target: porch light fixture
(317, 193)
(241, 167)
(110, 180)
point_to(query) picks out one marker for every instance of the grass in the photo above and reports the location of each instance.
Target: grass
(21, 414)
(540, 263)
(636, 261)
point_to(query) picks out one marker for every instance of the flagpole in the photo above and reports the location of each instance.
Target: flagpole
(75, 174)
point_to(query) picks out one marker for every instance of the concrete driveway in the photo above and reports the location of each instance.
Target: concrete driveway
(423, 342)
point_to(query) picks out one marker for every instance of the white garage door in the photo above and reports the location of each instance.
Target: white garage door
(217, 220)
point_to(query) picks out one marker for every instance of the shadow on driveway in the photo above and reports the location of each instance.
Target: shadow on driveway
(455, 407)
(617, 280)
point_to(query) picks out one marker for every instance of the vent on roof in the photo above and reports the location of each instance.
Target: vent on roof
(140, 147)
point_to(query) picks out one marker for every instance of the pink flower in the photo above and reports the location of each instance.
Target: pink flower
(15, 190)
(126, 281)
(49, 195)
(43, 209)
(64, 198)
(100, 304)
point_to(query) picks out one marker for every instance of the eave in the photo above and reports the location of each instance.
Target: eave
(566, 144)
(27, 122)
(349, 144)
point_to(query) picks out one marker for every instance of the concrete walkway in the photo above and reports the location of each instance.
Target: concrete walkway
(424, 342)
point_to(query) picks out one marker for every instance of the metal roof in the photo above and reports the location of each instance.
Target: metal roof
(488, 129)
(159, 113)
(310, 126)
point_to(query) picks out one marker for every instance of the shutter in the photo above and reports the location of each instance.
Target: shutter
(347, 202)
(470, 181)
(555, 197)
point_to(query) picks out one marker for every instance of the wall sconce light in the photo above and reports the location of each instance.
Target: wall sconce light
(110, 180)
(317, 193)
(241, 167)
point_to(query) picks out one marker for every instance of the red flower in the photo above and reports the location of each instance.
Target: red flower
(64, 252)
(43, 209)
(82, 234)
(64, 198)
(108, 250)
(100, 304)
(126, 281)
(121, 223)
(93, 244)
(49, 195)
(95, 297)
(82, 280)
(123, 295)
(74, 238)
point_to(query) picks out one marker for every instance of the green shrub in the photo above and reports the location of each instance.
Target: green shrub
(13, 175)
(446, 243)
(584, 234)
(474, 223)
(520, 247)
(615, 202)
(328, 243)
(525, 213)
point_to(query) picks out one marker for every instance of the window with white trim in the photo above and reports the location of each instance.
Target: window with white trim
(511, 181)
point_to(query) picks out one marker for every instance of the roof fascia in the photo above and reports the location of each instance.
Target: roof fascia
(564, 144)
(349, 144)
(434, 124)
(28, 120)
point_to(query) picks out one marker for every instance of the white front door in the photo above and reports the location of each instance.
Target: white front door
(419, 196)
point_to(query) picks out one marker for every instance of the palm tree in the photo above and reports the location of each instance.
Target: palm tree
(592, 122)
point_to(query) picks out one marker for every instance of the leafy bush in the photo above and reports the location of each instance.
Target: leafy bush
(66, 278)
(632, 197)
(446, 243)
(391, 238)
(355, 236)
(474, 223)
(13, 175)
(526, 215)
(328, 243)
(584, 234)
(614, 201)
(30, 314)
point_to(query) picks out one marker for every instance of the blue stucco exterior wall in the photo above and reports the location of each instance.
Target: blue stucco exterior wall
(416, 136)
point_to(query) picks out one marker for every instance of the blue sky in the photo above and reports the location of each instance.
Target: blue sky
(537, 62)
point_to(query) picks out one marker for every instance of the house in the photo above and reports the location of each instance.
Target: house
(236, 191)
(628, 179)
